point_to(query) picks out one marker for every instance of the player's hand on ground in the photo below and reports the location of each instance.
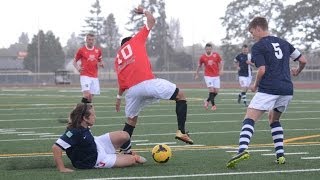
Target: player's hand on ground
(118, 103)
(139, 10)
(66, 170)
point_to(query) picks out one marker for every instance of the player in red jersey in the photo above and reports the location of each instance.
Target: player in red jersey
(90, 58)
(135, 76)
(213, 68)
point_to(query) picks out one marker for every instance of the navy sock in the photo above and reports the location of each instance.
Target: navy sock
(181, 111)
(277, 136)
(246, 134)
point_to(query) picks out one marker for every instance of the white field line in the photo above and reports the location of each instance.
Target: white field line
(179, 148)
(111, 110)
(257, 150)
(162, 115)
(210, 175)
(161, 104)
(194, 145)
(156, 134)
(16, 132)
(24, 156)
(135, 141)
(34, 134)
(310, 158)
(146, 144)
(53, 135)
(295, 153)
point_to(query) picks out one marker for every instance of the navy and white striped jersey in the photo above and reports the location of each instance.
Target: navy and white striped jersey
(80, 147)
(275, 53)
(245, 69)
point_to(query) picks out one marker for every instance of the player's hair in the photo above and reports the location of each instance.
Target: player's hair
(245, 46)
(90, 35)
(124, 40)
(208, 45)
(78, 114)
(259, 21)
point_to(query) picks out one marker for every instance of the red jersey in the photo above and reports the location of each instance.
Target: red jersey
(132, 63)
(89, 60)
(211, 64)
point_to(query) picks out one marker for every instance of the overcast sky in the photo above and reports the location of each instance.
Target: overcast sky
(199, 19)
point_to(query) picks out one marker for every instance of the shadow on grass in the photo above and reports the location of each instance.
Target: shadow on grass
(29, 163)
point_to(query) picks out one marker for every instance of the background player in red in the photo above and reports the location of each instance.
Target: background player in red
(213, 68)
(90, 58)
(135, 76)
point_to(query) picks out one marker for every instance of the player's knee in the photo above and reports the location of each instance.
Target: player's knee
(124, 136)
(180, 96)
(132, 121)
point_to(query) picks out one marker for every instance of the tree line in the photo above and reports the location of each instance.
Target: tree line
(298, 23)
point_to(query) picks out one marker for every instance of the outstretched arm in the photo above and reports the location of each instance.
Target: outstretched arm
(57, 156)
(150, 19)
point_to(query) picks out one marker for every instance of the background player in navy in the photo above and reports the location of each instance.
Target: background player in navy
(86, 151)
(243, 63)
(271, 56)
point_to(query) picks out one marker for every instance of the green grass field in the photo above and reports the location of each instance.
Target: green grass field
(32, 120)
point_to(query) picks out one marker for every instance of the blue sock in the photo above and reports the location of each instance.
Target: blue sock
(277, 136)
(246, 134)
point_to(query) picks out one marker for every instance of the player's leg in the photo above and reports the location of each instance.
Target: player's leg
(246, 85)
(241, 87)
(244, 88)
(277, 134)
(94, 88)
(215, 89)
(119, 138)
(129, 128)
(260, 103)
(244, 95)
(246, 133)
(276, 128)
(135, 101)
(181, 112)
(164, 89)
(106, 148)
(210, 95)
(85, 88)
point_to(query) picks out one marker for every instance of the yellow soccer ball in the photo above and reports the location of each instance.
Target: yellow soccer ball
(161, 153)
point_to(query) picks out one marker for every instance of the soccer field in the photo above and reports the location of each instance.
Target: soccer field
(32, 120)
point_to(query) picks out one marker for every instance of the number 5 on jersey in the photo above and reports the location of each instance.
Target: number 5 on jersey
(278, 52)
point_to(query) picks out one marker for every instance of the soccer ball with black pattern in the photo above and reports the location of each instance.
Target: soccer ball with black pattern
(161, 153)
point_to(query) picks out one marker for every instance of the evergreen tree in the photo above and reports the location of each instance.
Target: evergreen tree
(300, 24)
(94, 23)
(240, 12)
(136, 21)
(72, 46)
(20, 46)
(111, 35)
(176, 38)
(45, 53)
